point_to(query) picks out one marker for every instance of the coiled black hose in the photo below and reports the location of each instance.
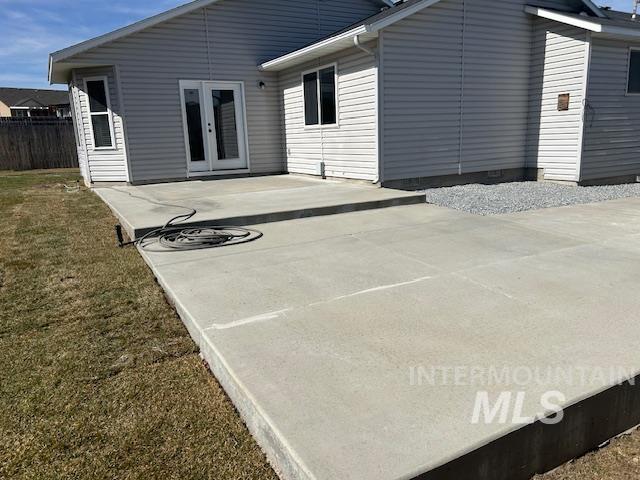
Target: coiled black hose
(173, 236)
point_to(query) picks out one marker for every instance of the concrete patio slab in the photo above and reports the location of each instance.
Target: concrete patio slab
(317, 330)
(245, 201)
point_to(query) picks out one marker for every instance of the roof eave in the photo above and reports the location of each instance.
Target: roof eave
(301, 55)
(65, 53)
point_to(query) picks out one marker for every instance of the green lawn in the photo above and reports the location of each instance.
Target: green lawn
(99, 377)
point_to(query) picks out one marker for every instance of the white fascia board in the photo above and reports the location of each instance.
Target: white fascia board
(128, 30)
(277, 62)
(373, 28)
(584, 23)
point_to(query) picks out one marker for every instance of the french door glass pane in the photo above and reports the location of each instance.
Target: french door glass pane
(224, 112)
(194, 124)
(101, 130)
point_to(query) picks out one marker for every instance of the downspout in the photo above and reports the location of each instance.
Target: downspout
(370, 52)
(584, 113)
(462, 79)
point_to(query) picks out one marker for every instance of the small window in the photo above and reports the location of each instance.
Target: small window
(634, 72)
(320, 97)
(100, 113)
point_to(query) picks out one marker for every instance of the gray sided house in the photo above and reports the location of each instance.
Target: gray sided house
(405, 94)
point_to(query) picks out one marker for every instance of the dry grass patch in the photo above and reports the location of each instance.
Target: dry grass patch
(620, 460)
(100, 378)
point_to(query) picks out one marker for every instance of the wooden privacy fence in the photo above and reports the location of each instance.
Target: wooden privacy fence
(38, 142)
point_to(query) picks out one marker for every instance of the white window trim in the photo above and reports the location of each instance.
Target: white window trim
(627, 92)
(105, 82)
(320, 126)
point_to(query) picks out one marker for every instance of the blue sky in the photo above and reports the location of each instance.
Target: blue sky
(31, 29)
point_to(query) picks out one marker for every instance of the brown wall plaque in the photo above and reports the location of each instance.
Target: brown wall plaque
(563, 102)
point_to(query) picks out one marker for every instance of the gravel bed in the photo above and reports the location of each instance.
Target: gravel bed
(521, 196)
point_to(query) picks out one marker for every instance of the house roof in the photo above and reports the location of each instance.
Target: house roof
(368, 29)
(613, 24)
(27, 97)
(61, 55)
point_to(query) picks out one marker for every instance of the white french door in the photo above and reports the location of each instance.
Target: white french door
(214, 125)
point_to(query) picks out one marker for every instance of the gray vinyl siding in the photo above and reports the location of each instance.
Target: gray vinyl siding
(455, 83)
(612, 125)
(422, 82)
(560, 56)
(109, 165)
(348, 149)
(225, 41)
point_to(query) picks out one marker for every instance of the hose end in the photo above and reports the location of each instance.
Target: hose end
(119, 235)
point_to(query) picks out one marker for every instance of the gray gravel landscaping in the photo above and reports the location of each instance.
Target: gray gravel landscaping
(521, 196)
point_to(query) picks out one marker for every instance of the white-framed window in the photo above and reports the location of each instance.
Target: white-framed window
(320, 91)
(100, 117)
(633, 72)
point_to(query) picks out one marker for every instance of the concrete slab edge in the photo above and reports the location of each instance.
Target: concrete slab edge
(539, 447)
(516, 455)
(128, 228)
(246, 220)
(280, 455)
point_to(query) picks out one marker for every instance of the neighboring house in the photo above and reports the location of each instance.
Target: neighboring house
(421, 92)
(27, 102)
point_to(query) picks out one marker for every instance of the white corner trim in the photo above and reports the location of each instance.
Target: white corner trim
(583, 113)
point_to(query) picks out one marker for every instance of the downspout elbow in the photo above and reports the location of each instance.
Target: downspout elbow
(367, 50)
